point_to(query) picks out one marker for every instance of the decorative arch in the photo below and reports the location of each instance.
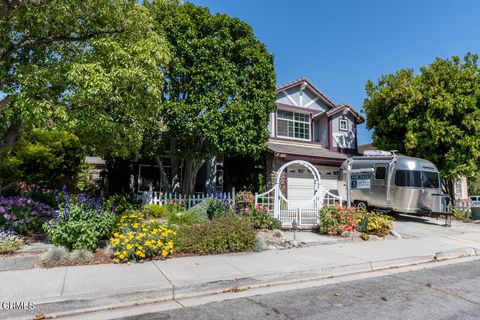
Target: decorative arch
(310, 167)
(303, 214)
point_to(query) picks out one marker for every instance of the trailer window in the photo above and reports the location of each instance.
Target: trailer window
(380, 173)
(413, 178)
(408, 178)
(430, 179)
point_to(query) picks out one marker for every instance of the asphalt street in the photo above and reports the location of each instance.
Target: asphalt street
(445, 292)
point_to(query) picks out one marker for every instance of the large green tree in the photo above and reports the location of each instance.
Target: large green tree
(92, 66)
(433, 114)
(219, 88)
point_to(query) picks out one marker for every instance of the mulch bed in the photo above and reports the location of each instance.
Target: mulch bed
(99, 257)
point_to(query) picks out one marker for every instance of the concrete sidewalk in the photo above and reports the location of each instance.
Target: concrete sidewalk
(81, 288)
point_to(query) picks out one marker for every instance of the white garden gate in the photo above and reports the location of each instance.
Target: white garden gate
(302, 213)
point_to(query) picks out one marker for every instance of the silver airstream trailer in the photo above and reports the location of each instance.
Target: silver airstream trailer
(397, 183)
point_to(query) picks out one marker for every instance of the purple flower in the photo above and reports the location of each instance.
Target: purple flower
(2, 209)
(7, 216)
(80, 200)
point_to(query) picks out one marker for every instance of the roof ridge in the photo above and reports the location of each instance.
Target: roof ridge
(312, 85)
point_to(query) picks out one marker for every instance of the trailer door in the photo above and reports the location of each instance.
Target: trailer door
(378, 188)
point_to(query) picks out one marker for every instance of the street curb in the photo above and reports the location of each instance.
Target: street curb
(107, 301)
(457, 253)
(17, 263)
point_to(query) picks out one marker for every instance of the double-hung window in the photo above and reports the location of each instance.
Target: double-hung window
(293, 125)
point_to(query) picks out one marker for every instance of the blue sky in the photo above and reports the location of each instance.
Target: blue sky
(339, 45)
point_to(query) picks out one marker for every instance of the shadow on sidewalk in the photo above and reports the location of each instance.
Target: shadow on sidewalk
(418, 219)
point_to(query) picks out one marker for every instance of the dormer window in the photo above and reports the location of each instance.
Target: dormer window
(293, 125)
(343, 125)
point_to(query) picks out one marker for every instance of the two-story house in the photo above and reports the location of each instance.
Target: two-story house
(308, 125)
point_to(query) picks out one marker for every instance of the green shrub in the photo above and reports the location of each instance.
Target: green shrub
(222, 235)
(80, 255)
(156, 210)
(175, 206)
(375, 223)
(260, 218)
(218, 208)
(54, 254)
(276, 224)
(9, 242)
(81, 225)
(200, 209)
(460, 214)
(334, 219)
(365, 236)
(185, 217)
(122, 202)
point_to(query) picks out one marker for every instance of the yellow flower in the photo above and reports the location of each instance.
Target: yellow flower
(129, 246)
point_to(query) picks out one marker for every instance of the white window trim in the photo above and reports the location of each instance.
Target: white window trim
(345, 121)
(309, 123)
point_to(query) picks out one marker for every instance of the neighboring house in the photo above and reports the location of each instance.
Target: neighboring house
(308, 125)
(97, 165)
(462, 199)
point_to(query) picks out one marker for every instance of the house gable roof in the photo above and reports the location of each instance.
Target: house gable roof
(329, 102)
(347, 108)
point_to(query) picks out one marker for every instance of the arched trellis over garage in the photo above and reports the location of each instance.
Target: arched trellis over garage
(305, 213)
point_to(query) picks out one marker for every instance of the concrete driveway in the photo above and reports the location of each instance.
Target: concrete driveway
(421, 227)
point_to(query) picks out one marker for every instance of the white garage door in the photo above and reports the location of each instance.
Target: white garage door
(300, 182)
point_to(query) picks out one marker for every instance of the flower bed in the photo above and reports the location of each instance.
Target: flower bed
(23, 215)
(80, 225)
(136, 238)
(335, 220)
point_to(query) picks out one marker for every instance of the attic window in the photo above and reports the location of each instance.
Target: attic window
(343, 125)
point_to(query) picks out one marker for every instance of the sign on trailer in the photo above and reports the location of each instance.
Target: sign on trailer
(360, 181)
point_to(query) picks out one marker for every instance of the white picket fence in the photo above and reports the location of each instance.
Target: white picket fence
(189, 201)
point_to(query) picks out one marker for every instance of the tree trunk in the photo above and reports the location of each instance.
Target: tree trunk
(190, 171)
(11, 135)
(451, 190)
(164, 183)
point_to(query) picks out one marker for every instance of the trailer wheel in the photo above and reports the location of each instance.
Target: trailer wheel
(361, 205)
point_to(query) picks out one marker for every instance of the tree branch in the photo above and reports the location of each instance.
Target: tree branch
(10, 137)
(48, 40)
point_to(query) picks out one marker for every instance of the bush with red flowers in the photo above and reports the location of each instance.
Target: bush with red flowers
(335, 219)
